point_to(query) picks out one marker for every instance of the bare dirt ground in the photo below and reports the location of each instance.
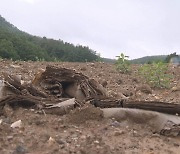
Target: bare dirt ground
(85, 131)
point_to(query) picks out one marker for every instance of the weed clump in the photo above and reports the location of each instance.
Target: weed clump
(123, 64)
(156, 75)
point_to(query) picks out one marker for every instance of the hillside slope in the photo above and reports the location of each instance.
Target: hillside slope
(18, 45)
(147, 59)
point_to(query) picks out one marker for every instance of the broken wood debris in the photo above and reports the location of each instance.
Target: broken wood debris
(64, 82)
(55, 84)
(162, 107)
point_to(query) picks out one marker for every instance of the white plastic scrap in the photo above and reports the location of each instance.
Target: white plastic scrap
(1, 121)
(16, 124)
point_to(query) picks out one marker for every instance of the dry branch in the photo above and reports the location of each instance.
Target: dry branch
(145, 105)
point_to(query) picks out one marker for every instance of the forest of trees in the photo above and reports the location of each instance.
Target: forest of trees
(149, 59)
(18, 45)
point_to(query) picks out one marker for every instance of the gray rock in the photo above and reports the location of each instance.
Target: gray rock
(20, 150)
(115, 124)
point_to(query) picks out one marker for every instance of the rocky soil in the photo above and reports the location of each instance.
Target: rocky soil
(85, 131)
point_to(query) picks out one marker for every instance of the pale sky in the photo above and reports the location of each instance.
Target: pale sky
(135, 27)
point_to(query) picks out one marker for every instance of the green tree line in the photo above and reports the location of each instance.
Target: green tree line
(18, 45)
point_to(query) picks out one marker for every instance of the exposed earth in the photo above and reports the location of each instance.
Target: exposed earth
(84, 131)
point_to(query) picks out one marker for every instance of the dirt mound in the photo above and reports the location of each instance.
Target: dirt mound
(84, 114)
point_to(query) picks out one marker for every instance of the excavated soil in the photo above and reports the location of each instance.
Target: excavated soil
(84, 131)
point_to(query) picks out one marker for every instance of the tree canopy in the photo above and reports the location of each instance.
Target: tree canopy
(168, 58)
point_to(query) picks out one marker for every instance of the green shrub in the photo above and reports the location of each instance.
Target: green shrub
(156, 74)
(122, 64)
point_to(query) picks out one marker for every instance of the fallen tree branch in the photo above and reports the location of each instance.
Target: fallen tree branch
(162, 107)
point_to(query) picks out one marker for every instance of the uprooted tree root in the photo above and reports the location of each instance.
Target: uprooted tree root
(53, 86)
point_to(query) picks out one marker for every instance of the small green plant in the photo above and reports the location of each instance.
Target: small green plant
(39, 59)
(156, 74)
(122, 64)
